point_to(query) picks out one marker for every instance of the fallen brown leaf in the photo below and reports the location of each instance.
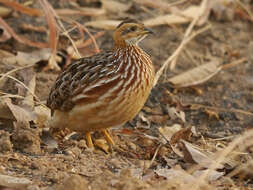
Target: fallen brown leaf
(196, 75)
(168, 132)
(185, 16)
(192, 155)
(22, 115)
(102, 144)
(184, 134)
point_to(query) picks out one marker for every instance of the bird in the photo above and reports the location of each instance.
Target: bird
(104, 90)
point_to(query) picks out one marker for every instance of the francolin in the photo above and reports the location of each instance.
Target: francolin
(104, 90)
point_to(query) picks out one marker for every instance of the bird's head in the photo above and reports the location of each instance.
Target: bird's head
(130, 32)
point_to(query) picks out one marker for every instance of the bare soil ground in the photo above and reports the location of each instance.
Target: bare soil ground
(220, 109)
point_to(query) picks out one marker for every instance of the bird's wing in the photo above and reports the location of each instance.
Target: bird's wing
(83, 80)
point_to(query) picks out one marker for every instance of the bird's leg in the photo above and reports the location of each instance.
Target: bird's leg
(89, 140)
(108, 137)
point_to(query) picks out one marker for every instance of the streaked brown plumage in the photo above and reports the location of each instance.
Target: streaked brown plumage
(104, 90)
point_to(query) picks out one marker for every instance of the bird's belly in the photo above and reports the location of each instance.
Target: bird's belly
(104, 114)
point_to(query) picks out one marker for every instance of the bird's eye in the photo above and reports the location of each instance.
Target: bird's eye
(133, 28)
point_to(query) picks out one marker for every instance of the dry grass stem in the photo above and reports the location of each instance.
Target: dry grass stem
(14, 70)
(235, 63)
(66, 33)
(53, 32)
(222, 109)
(178, 51)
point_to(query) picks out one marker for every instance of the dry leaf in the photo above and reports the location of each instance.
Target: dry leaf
(101, 143)
(212, 174)
(192, 155)
(168, 132)
(185, 16)
(104, 24)
(184, 134)
(112, 6)
(22, 115)
(196, 75)
(5, 112)
(174, 114)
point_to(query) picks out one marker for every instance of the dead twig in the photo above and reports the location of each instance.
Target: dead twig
(22, 39)
(86, 30)
(222, 109)
(235, 63)
(18, 7)
(53, 31)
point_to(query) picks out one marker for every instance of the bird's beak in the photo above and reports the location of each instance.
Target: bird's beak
(148, 31)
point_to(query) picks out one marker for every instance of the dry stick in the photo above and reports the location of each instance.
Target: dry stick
(220, 158)
(86, 30)
(19, 7)
(21, 39)
(189, 30)
(178, 50)
(186, 39)
(53, 32)
(224, 109)
(66, 33)
(91, 36)
(235, 63)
